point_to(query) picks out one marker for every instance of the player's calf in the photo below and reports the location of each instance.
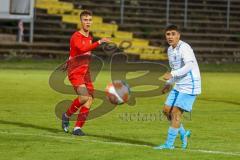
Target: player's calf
(82, 117)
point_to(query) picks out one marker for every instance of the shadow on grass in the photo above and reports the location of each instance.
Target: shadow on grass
(53, 130)
(122, 140)
(27, 125)
(222, 101)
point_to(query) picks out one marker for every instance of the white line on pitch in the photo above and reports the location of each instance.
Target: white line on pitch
(116, 143)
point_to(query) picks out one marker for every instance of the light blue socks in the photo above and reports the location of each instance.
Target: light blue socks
(172, 134)
(182, 131)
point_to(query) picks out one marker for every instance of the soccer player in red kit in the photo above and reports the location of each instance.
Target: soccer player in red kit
(78, 73)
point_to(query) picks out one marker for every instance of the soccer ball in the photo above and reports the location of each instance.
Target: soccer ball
(118, 92)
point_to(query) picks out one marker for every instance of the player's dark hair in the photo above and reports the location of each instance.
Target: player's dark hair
(172, 27)
(85, 13)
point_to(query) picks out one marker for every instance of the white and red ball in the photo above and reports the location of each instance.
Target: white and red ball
(118, 92)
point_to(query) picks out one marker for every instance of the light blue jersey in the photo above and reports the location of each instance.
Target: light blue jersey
(185, 70)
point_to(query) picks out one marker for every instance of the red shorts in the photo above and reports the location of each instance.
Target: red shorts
(79, 76)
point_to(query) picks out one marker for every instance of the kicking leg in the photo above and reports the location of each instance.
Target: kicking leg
(76, 104)
(82, 116)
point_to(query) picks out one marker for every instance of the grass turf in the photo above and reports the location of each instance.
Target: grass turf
(29, 128)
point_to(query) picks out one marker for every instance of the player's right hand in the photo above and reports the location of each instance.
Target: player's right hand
(104, 40)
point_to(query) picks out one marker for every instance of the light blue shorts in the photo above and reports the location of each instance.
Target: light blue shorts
(180, 100)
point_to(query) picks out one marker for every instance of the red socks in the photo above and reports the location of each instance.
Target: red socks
(82, 116)
(74, 107)
(83, 113)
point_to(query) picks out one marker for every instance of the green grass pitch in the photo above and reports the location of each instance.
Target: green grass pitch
(29, 128)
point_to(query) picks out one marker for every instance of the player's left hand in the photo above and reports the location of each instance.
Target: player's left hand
(167, 76)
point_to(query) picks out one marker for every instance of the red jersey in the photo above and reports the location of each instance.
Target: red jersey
(80, 51)
(81, 45)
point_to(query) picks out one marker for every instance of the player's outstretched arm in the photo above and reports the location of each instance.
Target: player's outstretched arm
(87, 48)
(104, 40)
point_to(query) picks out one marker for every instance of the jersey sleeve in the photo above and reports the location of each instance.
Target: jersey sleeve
(184, 70)
(188, 59)
(187, 54)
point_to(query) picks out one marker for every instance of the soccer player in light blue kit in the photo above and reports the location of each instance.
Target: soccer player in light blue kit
(186, 76)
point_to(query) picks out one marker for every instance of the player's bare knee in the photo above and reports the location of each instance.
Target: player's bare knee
(176, 114)
(83, 99)
(176, 117)
(89, 102)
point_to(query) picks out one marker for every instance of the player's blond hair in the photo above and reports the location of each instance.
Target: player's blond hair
(85, 13)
